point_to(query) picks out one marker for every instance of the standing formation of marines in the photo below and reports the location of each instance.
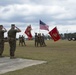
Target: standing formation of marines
(21, 40)
(39, 40)
(11, 39)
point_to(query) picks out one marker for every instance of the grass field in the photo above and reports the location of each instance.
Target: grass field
(60, 57)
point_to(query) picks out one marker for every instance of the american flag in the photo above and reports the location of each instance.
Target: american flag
(44, 26)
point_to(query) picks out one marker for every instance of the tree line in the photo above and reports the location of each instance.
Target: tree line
(68, 36)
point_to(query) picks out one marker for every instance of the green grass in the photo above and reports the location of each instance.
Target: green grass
(60, 57)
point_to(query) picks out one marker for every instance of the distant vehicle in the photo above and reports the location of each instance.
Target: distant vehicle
(74, 39)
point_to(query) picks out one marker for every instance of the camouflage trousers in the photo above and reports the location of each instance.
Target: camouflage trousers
(22, 42)
(1, 46)
(12, 44)
(36, 43)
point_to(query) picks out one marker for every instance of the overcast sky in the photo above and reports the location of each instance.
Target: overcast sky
(60, 13)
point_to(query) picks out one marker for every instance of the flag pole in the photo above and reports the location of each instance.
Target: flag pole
(39, 26)
(39, 29)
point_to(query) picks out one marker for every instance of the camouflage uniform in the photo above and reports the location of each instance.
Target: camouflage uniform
(12, 41)
(23, 41)
(43, 40)
(36, 39)
(20, 40)
(39, 40)
(1, 41)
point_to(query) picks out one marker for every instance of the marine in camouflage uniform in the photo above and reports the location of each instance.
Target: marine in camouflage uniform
(22, 41)
(36, 39)
(43, 40)
(2, 31)
(39, 42)
(12, 39)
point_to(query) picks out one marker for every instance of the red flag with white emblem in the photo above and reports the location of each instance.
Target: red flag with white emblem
(28, 32)
(54, 34)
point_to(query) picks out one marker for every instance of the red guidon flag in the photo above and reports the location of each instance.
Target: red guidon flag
(54, 34)
(28, 32)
